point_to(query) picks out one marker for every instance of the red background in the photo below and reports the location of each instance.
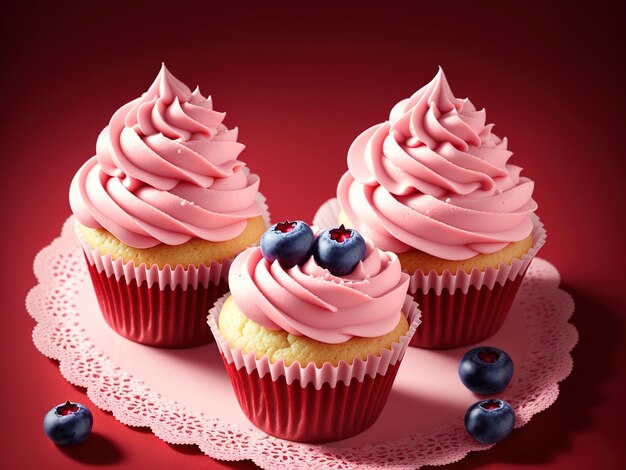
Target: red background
(301, 84)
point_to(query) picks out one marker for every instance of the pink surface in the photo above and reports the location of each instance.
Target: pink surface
(436, 179)
(183, 395)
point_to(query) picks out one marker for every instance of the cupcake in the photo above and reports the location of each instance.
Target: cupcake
(433, 185)
(161, 211)
(312, 353)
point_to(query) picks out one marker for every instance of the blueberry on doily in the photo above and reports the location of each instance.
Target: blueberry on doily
(489, 421)
(486, 370)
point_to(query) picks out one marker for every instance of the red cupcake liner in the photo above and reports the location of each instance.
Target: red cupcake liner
(460, 309)
(457, 319)
(167, 317)
(306, 414)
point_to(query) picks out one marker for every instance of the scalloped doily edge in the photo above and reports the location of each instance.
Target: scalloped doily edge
(133, 404)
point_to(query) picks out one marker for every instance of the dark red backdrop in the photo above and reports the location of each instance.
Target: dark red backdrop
(301, 85)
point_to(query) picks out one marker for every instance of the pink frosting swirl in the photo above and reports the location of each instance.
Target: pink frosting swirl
(309, 301)
(166, 171)
(436, 179)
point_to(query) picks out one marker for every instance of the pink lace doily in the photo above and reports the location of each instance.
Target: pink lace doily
(126, 378)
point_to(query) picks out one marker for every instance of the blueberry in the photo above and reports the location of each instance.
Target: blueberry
(489, 421)
(68, 423)
(486, 370)
(339, 250)
(288, 242)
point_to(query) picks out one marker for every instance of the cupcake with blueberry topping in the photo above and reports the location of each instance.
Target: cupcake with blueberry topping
(162, 209)
(321, 327)
(434, 185)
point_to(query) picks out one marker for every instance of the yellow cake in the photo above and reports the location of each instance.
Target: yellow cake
(242, 332)
(194, 252)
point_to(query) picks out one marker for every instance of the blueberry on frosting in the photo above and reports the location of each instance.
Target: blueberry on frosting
(288, 242)
(339, 250)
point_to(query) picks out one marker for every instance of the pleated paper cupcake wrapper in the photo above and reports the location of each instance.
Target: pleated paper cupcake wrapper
(167, 318)
(463, 309)
(164, 307)
(313, 404)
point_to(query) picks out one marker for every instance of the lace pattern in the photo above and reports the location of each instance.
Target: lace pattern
(60, 270)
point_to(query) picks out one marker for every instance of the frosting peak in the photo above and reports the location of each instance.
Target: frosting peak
(433, 116)
(309, 301)
(166, 136)
(166, 87)
(160, 152)
(435, 178)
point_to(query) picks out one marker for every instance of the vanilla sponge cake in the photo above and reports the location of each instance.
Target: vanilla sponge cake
(281, 345)
(194, 252)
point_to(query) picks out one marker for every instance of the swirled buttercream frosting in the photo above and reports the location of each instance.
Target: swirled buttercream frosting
(435, 178)
(166, 171)
(309, 301)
